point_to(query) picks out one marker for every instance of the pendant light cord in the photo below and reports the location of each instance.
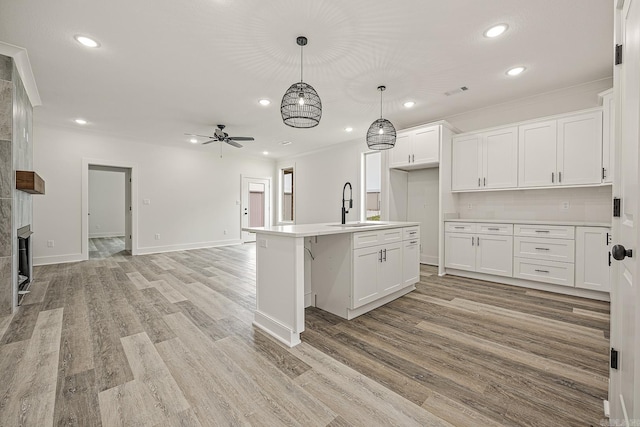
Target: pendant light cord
(301, 64)
(381, 103)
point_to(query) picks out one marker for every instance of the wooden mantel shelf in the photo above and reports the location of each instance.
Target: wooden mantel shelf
(29, 182)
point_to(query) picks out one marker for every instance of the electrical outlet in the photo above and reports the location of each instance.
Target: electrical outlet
(564, 206)
(50, 243)
(97, 227)
(469, 206)
(146, 201)
(263, 243)
(157, 236)
(224, 232)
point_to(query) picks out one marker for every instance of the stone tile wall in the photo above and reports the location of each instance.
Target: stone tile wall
(7, 177)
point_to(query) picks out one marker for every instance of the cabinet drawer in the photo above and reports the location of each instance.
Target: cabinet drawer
(561, 250)
(459, 227)
(365, 239)
(501, 229)
(411, 233)
(558, 273)
(549, 231)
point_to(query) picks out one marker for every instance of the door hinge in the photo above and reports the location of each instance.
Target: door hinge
(614, 358)
(129, 236)
(129, 208)
(618, 54)
(616, 207)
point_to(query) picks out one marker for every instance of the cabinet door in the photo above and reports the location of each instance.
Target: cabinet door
(366, 262)
(592, 258)
(390, 273)
(500, 158)
(399, 155)
(466, 162)
(580, 149)
(460, 251)
(426, 146)
(494, 255)
(411, 262)
(537, 154)
(608, 137)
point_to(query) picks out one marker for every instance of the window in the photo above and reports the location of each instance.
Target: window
(286, 180)
(372, 185)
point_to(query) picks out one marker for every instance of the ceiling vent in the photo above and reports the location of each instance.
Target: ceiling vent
(456, 91)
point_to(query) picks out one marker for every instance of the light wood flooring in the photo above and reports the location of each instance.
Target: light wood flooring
(105, 247)
(167, 340)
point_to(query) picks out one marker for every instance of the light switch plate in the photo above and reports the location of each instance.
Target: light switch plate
(263, 243)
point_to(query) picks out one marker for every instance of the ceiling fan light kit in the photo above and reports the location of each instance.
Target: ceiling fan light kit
(381, 134)
(301, 106)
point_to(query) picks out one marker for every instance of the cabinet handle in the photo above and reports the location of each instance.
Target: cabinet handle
(413, 242)
(541, 231)
(542, 249)
(380, 253)
(459, 228)
(472, 241)
(478, 182)
(493, 229)
(542, 271)
(484, 181)
(385, 255)
(408, 158)
(478, 241)
(413, 158)
(559, 176)
(606, 242)
(552, 176)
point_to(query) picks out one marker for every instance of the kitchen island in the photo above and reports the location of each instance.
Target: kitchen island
(347, 269)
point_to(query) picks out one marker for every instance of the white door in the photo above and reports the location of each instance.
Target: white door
(399, 154)
(494, 255)
(255, 207)
(537, 154)
(128, 210)
(466, 162)
(460, 251)
(580, 149)
(426, 145)
(624, 394)
(500, 158)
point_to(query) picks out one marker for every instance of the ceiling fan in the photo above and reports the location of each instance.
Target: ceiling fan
(221, 136)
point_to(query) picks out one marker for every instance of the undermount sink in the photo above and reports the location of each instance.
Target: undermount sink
(357, 224)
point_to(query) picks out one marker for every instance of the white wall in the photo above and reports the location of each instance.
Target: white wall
(423, 206)
(194, 194)
(106, 202)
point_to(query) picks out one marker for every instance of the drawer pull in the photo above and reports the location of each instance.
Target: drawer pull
(542, 249)
(542, 231)
(459, 228)
(413, 242)
(542, 271)
(412, 232)
(493, 229)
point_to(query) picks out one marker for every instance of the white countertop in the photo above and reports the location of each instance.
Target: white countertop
(306, 230)
(534, 222)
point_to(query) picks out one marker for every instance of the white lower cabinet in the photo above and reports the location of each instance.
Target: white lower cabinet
(411, 261)
(484, 253)
(558, 273)
(592, 258)
(492, 255)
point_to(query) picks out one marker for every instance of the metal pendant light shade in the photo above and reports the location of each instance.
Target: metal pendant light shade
(381, 134)
(301, 106)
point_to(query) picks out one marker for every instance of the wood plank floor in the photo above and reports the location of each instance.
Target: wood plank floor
(167, 340)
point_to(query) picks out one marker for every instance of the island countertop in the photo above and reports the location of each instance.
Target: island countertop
(307, 230)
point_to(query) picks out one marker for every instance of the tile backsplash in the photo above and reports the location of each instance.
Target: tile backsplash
(591, 204)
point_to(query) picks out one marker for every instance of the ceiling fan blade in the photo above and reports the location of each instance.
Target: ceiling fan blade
(231, 142)
(210, 141)
(201, 136)
(241, 138)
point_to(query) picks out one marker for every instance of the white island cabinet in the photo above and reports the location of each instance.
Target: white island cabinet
(352, 269)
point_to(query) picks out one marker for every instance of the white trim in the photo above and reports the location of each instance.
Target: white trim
(23, 65)
(86, 162)
(429, 260)
(57, 259)
(268, 213)
(187, 246)
(276, 329)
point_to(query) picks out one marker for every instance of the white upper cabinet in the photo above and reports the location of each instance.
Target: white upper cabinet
(416, 148)
(608, 135)
(565, 151)
(537, 154)
(487, 160)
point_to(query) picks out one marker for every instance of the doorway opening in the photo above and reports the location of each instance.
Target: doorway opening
(256, 206)
(372, 183)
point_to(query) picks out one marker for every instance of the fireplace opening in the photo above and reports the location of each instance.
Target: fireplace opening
(24, 261)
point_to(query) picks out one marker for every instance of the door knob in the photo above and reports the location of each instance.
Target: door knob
(619, 252)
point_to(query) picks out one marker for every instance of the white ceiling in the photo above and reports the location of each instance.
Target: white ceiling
(169, 67)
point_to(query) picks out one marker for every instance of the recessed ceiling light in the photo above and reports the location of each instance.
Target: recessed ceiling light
(348, 129)
(193, 141)
(409, 104)
(87, 41)
(496, 30)
(515, 71)
(81, 121)
(265, 153)
(264, 102)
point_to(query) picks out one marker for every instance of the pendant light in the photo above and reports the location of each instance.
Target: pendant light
(301, 106)
(381, 134)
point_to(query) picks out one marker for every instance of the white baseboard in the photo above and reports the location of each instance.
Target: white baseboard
(428, 259)
(276, 329)
(57, 259)
(106, 234)
(187, 246)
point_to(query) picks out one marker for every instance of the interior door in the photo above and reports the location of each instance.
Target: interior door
(624, 395)
(255, 207)
(128, 208)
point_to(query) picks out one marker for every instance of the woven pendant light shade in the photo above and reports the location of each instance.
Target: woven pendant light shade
(301, 115)
(301, 106)
(381, 134)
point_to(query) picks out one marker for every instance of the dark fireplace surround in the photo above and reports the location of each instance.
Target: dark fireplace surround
(25, 268)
